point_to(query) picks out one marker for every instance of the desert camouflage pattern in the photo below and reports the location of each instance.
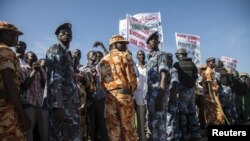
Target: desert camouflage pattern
(117, 71)
(213, 111)
(10, 126)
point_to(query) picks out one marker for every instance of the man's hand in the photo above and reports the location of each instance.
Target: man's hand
(36, 66)
(98, 43)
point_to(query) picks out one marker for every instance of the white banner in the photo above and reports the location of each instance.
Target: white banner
(123, 28)
(229, 62)
(192, 44)
(139, 27)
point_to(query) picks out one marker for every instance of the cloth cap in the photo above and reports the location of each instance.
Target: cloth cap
(210, 59)
(155, 34)
(244, 74)
(117, 39)
(63, 26)
(4, 26)
(203, 66)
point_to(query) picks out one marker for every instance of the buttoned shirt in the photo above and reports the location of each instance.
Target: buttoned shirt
(141, 90)
(61, 85)
(117, 71)
(8, 60)
(34, 93)
(157, 62)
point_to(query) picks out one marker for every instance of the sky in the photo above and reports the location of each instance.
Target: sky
(223, 25)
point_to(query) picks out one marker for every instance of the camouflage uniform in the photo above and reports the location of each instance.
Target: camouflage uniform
(172, 109)
(83, 118)
(156, 121)
(213, 109)
(118, 78)
(10, 126)
(62, 93)
(187, 74)
(95, 104)
(227, 102)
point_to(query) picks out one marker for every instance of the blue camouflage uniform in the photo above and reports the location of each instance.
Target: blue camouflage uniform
(156, 121)
(187, 74)
(172, 109)
(62, 94)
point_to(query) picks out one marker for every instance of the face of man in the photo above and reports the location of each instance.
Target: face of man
(31, 58)
(99, 56)
(20, 49)
(43, 63)
(9, 38)
(141, 56)
(76, 55)
(153, 43)
(121, 46)
(65, 35)
(92, 56)
(212, 64)
(179, 56)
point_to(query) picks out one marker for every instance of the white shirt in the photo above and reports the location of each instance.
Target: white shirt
(141, 91)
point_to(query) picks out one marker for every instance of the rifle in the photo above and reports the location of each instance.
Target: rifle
(215, 100)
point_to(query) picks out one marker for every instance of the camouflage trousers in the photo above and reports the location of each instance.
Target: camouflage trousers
(172, 118)
(10, 127)
(227, 98)
(187, 112)
(68, 129)
(156, 120)
(213, 111)
(83, 126)
(120, 117)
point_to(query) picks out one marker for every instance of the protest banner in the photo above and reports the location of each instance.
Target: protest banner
(229, 62)
(139, 27)
(192, 44)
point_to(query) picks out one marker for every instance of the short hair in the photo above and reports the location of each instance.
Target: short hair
(92, 51)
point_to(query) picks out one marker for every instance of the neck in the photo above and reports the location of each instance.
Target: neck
(141, 63)
(65, 44)
(91, 62)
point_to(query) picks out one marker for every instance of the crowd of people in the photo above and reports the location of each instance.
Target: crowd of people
(111, 98)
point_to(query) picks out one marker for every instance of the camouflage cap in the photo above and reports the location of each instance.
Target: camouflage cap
(203, 66)
(117, 39)
(210, 59)
(4, 26)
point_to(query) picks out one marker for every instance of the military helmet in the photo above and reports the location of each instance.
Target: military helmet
(181, 51)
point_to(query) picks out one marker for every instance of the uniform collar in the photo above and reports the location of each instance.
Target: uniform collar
(152, 54)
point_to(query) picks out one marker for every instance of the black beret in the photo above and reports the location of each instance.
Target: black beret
(155, 34)
(63, 26)
(210, 59)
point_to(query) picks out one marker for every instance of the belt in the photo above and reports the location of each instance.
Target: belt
(122, 91)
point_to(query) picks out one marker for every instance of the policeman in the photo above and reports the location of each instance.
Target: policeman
(172, 108)
(158, 76)
(63, 97)
(226, 96)
(187, 73)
